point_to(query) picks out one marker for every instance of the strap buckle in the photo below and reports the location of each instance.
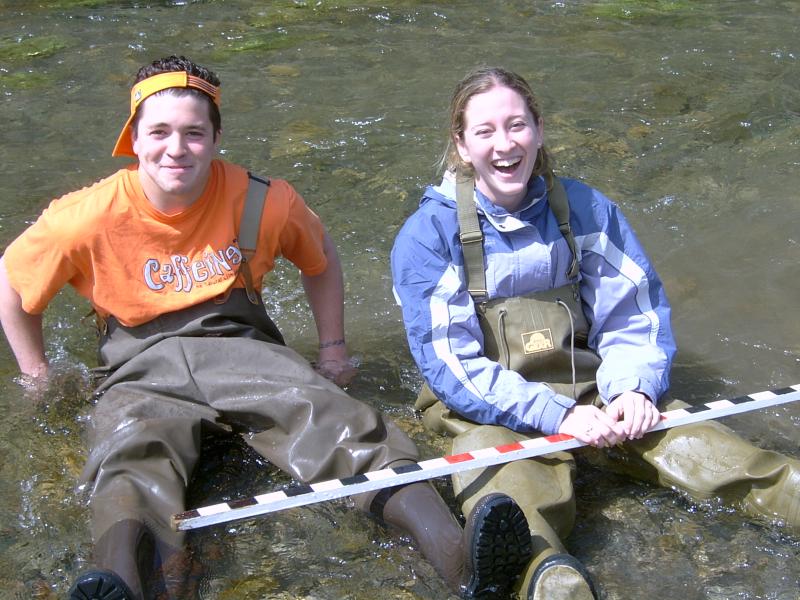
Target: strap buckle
(471, 237)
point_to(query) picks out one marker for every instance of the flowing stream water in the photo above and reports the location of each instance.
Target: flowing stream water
(685, 112)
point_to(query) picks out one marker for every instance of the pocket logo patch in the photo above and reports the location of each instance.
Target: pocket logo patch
(537, 341)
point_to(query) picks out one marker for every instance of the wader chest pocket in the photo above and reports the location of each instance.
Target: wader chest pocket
(538, 334)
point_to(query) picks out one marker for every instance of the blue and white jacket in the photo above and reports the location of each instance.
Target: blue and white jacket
(623, 299)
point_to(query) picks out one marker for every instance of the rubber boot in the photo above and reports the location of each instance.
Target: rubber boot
(177, 574)
(709, 460)
(480, 561)
(498, 545)
(419, 510)
(99, 585)
(557, 577)
(123, 550)
(536, 582)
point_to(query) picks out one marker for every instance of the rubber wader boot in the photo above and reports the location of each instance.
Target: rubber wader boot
(177, 575)
(121, 555)
(558, 577)
(480, 561)
(498, 544)
(100, 585)
(709, 460)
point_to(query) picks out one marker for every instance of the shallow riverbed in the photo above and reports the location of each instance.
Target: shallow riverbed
(685, 112)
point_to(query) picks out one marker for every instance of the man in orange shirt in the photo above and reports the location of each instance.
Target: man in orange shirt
(171, 252)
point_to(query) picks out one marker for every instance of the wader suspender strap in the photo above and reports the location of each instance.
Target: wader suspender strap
(248, 229)
(472, 237)
(560, 207)
(248, 234)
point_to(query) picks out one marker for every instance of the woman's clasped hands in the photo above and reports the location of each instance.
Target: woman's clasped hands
(628, 417)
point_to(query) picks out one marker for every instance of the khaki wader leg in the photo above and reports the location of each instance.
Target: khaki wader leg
(541, 486)
(294, 417)
(140, 471)
(708, 460)
(314, 431)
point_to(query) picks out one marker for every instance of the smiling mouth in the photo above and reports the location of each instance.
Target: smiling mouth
(506, 165)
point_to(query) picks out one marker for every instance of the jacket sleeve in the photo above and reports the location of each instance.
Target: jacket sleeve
(445, 338)
(628, 308)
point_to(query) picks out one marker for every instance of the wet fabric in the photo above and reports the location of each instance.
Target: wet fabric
(706, 460)
(146, 427)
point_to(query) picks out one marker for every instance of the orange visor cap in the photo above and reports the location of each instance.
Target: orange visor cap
(146, 88)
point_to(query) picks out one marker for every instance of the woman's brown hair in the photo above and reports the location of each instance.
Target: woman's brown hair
(476, 82)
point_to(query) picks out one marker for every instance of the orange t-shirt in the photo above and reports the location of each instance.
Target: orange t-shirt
(136, 263)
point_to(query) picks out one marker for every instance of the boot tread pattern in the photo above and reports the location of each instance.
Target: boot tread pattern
(99, 585)
(501, 548)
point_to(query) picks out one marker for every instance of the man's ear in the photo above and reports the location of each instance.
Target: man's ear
(540, 127)
(134, 138)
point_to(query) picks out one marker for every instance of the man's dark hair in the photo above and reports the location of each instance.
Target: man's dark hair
(174, 63)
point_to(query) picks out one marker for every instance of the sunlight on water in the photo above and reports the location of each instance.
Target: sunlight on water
(686, 113)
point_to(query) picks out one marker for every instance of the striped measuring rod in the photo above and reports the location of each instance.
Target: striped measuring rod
(304, 494)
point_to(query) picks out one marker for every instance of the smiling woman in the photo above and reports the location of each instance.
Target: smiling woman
(514, 253)
(501, 142)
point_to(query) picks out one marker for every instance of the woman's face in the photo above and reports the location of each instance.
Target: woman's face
(501, 141)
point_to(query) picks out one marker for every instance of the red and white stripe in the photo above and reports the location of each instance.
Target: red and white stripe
(302, 495)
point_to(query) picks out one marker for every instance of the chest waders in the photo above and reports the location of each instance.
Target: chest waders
(223, 365)
(544, 335)
(706, 460)
(236, 313)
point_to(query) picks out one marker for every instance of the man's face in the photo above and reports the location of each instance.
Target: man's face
(175, 142)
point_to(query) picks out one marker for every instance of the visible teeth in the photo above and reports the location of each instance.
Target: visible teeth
(507, 162)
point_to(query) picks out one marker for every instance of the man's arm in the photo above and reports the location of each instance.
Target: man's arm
(23, 330)
(325, 294)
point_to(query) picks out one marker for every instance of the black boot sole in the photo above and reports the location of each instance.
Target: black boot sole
(100, 585)
(499, 547)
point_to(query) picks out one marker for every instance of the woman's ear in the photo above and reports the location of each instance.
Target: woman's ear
(463, 152)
